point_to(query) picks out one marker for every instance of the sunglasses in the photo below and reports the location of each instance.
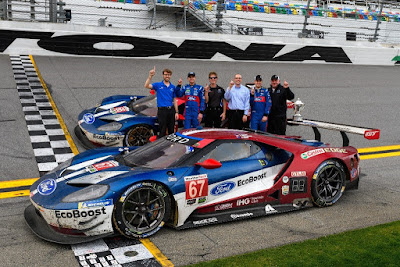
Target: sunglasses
(212, 77)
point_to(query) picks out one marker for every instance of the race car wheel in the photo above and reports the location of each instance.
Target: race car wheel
(328, 183)
(141, 210)
(138, 135)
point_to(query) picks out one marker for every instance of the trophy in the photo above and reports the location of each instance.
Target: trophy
(298, 106)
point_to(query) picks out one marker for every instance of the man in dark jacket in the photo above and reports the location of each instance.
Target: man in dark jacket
(277, 116)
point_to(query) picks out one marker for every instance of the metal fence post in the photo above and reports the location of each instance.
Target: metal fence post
(378, 21)
(303, 32)
(53, 10)
(3, 9)
(8, 9)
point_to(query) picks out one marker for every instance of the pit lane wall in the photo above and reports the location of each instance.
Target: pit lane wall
(21, 38)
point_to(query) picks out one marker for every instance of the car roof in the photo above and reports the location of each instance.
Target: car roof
(263, 137)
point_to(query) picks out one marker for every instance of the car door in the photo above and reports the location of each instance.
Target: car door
(242, 163)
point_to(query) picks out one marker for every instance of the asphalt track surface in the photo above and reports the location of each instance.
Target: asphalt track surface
(356, 95)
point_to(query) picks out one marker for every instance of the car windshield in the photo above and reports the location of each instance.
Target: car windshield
(160, 154)
(146, 106)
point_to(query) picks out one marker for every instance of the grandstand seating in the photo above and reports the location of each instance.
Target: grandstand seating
(281, 8)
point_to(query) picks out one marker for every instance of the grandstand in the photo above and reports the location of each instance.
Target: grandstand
(338, 20)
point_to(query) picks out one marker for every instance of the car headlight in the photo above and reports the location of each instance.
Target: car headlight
(112, 126)
(62, 165)
(87, 193)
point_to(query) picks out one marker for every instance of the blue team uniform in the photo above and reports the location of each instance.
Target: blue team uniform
(194, 103)
(260, 104)
(165, 94)
(165, 104)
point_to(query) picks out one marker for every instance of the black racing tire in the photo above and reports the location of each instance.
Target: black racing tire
(328, 183)
(141, 210)
(138, 135)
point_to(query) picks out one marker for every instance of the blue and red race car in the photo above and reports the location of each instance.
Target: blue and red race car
(188, 179)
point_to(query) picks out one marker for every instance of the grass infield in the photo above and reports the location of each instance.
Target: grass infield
(373, 246)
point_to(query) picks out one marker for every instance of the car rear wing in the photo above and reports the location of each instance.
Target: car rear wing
(368, 133)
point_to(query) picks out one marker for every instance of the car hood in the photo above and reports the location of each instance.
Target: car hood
(86, 169)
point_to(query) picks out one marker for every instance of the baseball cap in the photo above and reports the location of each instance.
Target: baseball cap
(275, 77)
(191, 74)
(258, 78)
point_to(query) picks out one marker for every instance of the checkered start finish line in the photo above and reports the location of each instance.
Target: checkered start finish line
(49, 143)
(50, 148)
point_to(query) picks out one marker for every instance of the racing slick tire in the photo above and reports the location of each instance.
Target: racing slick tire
(141, 210)
(328, 183)
(138, 135)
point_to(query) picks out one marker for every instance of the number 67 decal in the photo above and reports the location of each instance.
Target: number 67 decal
(196, 186)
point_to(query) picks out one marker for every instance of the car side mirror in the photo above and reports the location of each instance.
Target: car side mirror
(209, 164)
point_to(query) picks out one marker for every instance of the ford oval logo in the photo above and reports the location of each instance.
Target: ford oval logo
(222, 188)
(47, 187)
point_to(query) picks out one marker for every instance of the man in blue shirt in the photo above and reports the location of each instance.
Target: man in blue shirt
(194, 101)
(260, 102)
(238, 97)
(166, 101)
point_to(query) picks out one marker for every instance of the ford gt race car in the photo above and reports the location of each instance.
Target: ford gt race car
(120, 120)
(188, 179)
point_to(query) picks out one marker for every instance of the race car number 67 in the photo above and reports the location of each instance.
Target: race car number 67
(196, 186)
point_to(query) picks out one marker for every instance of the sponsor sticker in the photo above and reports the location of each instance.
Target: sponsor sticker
(285, 179)
(107, 137)
(222, 188)
(262, 162)
(224, 206)
(196, 186)
(79, 213)
(172, 179)
(243, 215)
(206, 221)
(102, 166)
(88, 118)
(285, 190)
(334, 149)
(249, 200)
(312, 153)
(191, 202)
(95, 203)
(252, 179)
(47, 187)
(298, 173)
(269, 209)
(372, 134)
(179, 139)
(119, 110)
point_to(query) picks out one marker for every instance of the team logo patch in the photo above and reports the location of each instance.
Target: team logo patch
(47, 187)
(88, 118)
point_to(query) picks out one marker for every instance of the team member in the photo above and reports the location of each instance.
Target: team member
(277, 116)
(214, 98)
(260, 102)
(166, 102)
(238, 97)
(194, 101)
